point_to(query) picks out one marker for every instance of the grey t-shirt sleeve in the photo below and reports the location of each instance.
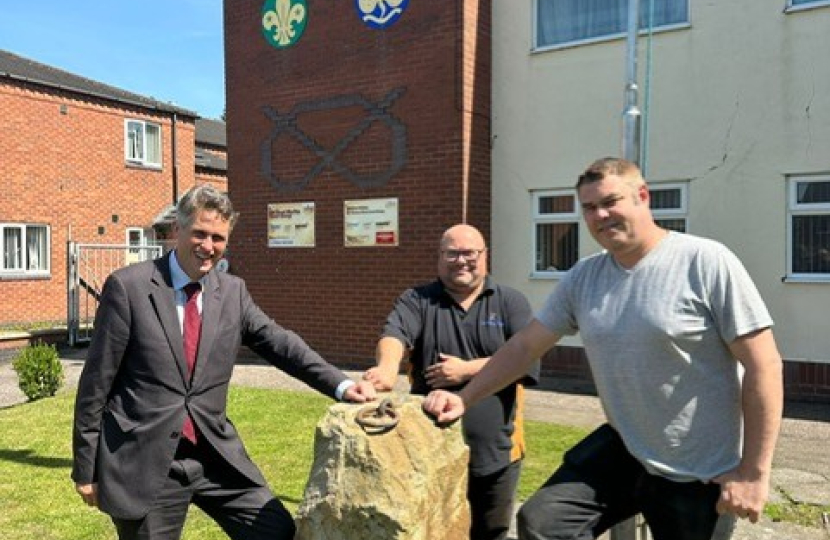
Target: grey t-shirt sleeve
(557, 314)
(736, 304)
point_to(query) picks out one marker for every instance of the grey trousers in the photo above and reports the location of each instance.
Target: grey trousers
(245, 511)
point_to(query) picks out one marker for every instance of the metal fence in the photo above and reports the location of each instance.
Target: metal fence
(88, 266)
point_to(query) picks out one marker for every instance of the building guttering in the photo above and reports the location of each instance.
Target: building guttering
(147, 105)
(144, 105)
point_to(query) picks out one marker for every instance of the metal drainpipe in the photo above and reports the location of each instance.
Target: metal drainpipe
(634, 528)
(631, 113)
(175, 161)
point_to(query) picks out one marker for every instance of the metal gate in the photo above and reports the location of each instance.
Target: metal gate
(88, 266)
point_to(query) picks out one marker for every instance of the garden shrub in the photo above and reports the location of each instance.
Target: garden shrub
(39, 371)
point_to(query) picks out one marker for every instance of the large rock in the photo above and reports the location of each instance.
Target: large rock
(405, 483)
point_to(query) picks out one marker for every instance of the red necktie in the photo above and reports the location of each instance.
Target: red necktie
(192, 330)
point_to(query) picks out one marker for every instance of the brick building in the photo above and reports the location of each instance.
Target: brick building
(211, 153)
(349, 114)
(409, 104)
(87, 162)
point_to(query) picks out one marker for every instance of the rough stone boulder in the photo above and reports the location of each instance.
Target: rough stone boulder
(408, 482)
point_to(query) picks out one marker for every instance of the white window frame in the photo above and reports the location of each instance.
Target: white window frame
(140, 235)
(681, 212)
(540, 218)
(139, 155)
(794, 209)
(144, 237)
(537, 47)
(43, 270)
(810, 4)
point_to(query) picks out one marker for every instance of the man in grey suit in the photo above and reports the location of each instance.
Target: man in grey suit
(151, 433)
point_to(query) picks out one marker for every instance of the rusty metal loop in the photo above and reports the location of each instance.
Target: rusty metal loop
(378, 419)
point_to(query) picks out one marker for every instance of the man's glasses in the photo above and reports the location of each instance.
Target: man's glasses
(470, 255)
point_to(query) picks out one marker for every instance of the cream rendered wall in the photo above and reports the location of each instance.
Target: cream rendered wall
(739, 100)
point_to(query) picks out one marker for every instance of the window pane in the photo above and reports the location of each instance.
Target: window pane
(563, 21)
(813, 192)
(664, 14)
(559, 204)
(134, 237)
(678, 225)
(153, 139)
(135, 141)
(666, 199)
(36, 248)
(811, 244)
(12, 248)
(557, 246)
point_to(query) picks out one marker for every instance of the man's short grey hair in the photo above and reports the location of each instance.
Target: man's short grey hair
(204, 197)
(611, 166)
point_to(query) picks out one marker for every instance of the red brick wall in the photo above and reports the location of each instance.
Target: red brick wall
(337, 297)
(65, 168)
(803, 381)
(807, 381)
(217, 180)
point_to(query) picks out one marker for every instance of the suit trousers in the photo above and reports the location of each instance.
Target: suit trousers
(200, 476)
(601, 484)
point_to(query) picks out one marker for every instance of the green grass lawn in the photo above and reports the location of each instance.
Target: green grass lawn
(39, 500)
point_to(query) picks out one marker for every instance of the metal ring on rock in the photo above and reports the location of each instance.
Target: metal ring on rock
(378, 419)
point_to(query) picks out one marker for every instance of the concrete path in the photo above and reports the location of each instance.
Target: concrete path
(802, 460)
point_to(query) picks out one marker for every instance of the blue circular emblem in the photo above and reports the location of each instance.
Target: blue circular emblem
(380, 14)
(283, 21)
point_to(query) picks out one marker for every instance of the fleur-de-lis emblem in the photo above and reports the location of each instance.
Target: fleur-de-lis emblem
(381, 13)
(284, 24)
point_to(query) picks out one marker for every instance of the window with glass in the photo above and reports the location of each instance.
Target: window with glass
(143, 143)
(563, 22)
(809, 227)
(668, 205)
(25, 249)
(807, 3)
(555, 231)
(140, 239)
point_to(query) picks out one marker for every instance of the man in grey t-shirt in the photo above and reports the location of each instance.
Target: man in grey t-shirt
(687, 369)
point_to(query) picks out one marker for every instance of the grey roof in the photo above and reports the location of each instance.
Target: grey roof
(167, 215)
(18, 68)
(211, 132)
(209, 160)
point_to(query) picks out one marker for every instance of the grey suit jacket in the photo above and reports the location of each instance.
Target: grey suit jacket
(134, 391)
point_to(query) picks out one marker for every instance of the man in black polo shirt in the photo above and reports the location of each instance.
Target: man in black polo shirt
(448, 329)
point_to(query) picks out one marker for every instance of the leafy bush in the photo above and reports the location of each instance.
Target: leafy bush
(39, 371)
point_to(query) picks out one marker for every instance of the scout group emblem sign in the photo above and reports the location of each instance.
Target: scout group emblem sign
(380, 14)
(283, 21)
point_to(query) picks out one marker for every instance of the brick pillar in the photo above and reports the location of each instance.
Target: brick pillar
(352, 112)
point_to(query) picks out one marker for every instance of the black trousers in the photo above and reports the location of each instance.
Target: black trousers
(601, 484)
(491, 502)
(198, 475)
